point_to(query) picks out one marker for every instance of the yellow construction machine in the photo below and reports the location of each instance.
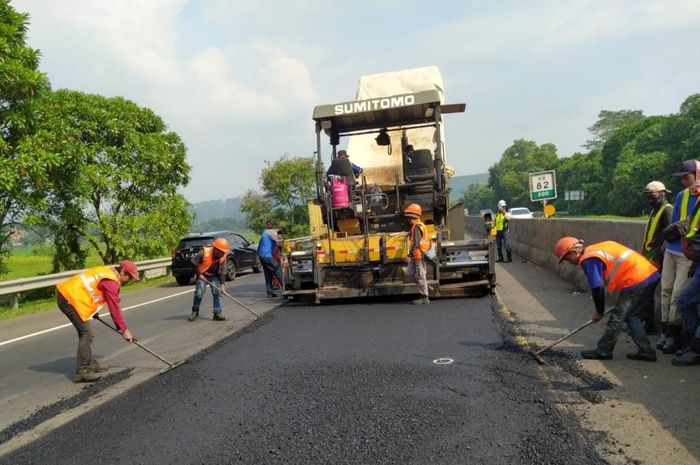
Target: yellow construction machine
(359, 235)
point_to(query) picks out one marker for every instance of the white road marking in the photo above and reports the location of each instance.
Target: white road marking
(38, 333)
(443, 361)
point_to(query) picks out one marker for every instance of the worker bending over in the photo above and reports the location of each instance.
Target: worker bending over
(619, 269)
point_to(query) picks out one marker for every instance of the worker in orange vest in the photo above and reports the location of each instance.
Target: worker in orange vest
(619, 269)
(420, 243)
(210, 269)
(80, 298)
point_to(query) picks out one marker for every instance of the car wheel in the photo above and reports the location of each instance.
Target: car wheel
(257, 266)
(183, 280)
(230, 269)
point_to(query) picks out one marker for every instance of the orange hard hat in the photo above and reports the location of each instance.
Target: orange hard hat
(221, 244)
(564, 246)
(414, 210)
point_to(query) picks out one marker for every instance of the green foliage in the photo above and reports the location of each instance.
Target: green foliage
(478, 197)
(509, 178)
(609, 122)
(628, 150)
(114, 189)
(286, 184)
(21, 83)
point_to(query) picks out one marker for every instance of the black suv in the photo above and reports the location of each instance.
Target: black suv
(242, 255)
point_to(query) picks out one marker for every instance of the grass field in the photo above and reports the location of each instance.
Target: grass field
(26, 262)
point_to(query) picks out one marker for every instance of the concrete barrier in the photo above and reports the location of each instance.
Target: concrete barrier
(534, 239)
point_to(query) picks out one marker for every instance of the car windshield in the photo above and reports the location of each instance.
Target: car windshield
(520, 211)
(190, 242)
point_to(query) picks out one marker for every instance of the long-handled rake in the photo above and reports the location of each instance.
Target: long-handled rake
(215, 289)
(537, 355)
(170, 365)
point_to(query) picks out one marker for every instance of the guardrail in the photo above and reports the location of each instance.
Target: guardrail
(12, 289)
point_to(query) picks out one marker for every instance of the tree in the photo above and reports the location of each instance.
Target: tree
(21, 83)
(509, 178)
(478, 197)
(286, 184)
(608, 122)
(115, 188)
(580, 172)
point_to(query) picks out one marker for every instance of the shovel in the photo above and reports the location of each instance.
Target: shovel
(537, 355)
(215, 289)
(170, 365)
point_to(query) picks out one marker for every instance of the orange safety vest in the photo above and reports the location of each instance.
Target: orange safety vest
(623, 266)
(424, 244)
(208, 260)
(82, 293)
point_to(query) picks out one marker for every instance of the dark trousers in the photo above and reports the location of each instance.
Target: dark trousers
(85, 335)
(503, 241)
(628, 309)
(688, 303)
(271, 268)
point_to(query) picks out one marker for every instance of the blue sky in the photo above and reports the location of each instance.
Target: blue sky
(238, 80)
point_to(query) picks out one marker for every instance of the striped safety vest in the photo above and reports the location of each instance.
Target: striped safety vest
(652, 224)
(424, 244)
(82, 293)
(208, 260)
(623, 266)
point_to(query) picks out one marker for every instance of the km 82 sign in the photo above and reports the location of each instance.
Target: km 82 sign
(543, 185)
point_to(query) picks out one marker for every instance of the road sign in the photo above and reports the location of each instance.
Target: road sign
(543, 185)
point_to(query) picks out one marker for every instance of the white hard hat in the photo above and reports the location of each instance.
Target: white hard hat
(501, 203)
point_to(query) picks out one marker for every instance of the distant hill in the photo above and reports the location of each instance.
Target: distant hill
(217, 209)
(460, 183)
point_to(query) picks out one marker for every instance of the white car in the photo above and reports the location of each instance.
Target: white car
(520, 212)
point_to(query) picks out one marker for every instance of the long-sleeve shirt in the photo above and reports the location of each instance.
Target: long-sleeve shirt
(266, 247)
(110, 292)
(675, 247)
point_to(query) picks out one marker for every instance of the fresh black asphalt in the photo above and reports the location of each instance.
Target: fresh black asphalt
(347, 383)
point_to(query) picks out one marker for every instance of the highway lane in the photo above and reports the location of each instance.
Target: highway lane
(37, 371)
(348, 383)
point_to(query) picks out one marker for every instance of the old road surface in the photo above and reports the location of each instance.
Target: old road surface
(355, 383)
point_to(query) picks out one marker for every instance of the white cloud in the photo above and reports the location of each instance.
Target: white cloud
(135, 49)
(547, 26)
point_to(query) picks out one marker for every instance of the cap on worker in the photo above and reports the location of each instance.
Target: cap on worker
(656, 186)
(221, 244)
(564, 246)
(130, 268)
(687, 167)
(414, 211)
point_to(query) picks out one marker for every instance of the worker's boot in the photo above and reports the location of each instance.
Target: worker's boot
(97, 367)
(219, 317)
(663, 337)
(84, 375)
(690, 357)
(595, 355)
(422, 300)
(643, 356)
(509, 257)
(673, 340)
(193, 316)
